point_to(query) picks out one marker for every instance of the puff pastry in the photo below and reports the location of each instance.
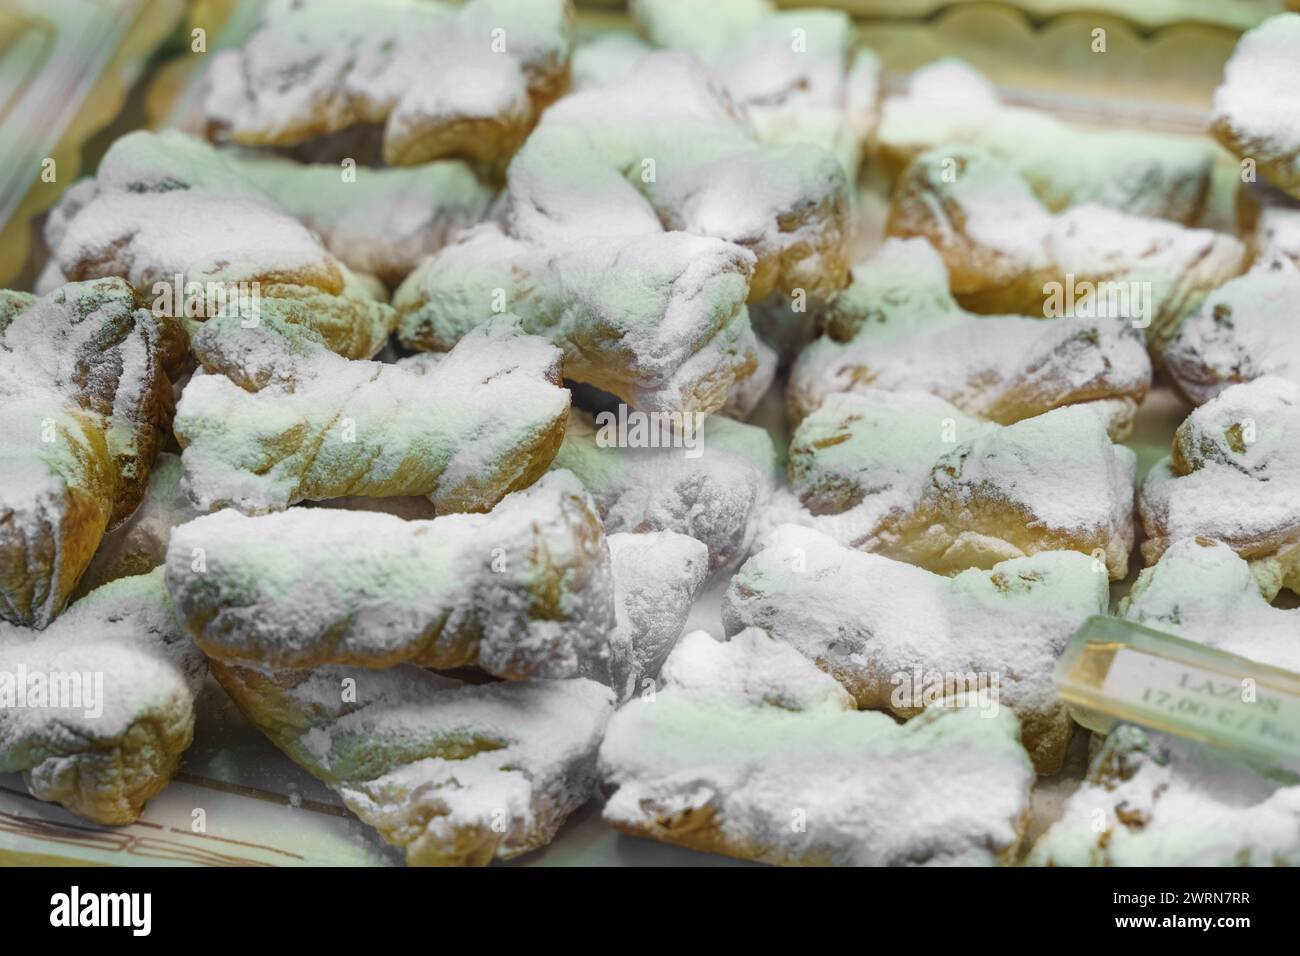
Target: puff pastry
(1243, 330)
(1202, 590)
(1254, 112)
(1232, 476)
(453, 775)
(897, 327)
(165, 206)
(85, 404)
(907, 475)
(274, 417)
(1164, 803)
(658, 320)
(949, 102)
(714, 496)
(106, 751)
(441, 79)
(1006, 252)
(751, 751)
(891, 633)
(524, 591)
(799, 74)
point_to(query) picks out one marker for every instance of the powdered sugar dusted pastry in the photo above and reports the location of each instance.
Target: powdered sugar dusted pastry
(382, 222)
(711, 491)
(907, 475)
(84, 406)
(1006, 252)
(274, 417)
(1170, 802)
(139, 544)
(1255, 110)
(666, 149)
(195, 237)
(1201, 590)
(1243, 330)
(441, 79)
(524, 591)
(658, 320)
(454, 775)
(1233, 476)
(750, 750)
(949, 102)
(897, 327)
(798, 73)
(901, 639)
(1271, 221)
(105, 737)
(657, 575)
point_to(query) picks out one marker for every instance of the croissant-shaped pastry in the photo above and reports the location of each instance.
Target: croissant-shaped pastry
(274, 417)
(897, 327)
(907, 475)
(1232, 477)
(1164, 802)
(948, 102)
(1203, 591)
(823, 90)
(97, 709)
(712, 492)
(1006, 253)
(441, 79)
(454, 775)
(196, 237)
(85, 404)
(898, 637)
(523, 591)
(1244, 330)
(1254, 108)
(749, 750)
(658, 320)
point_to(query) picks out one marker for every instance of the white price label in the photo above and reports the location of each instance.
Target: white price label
(1220, 704)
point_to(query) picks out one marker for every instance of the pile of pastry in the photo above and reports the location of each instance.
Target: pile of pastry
(319, 403)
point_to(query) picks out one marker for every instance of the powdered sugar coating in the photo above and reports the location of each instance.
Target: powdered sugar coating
(907, 475)
(84, 404)
(442, 79)
(1233, 476)
(524, 591)
(896, 327)
(667, 149)
(713, 498)
(1255, 113)
(1005, 251)
(658, 319)
(657, 575)
(274, 417)
(1201, 590)
(453, 775)
(748, 737)
(1244, 330)
(1139, 173)
(1170, 802)
(798, 73)
(871, 623)
(104, 766)
(165, 205)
